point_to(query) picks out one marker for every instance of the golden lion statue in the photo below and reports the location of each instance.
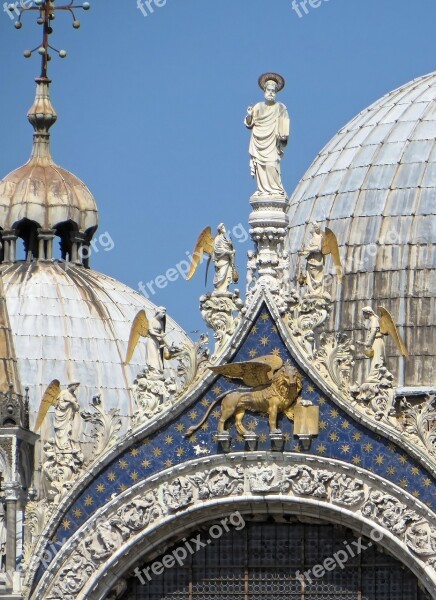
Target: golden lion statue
(273, 388)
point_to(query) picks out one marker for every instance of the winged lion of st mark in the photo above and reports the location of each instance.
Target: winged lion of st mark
(271, 387)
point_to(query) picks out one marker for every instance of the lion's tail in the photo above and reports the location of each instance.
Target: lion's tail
(194, 428)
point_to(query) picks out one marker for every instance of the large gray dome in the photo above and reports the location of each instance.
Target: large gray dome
(374, 185)
(74, 324)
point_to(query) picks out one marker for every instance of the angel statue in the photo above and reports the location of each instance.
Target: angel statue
(270, 126)
(153, 330)
(320, 245)
(375, 348)
(221, 252)
(67, 426)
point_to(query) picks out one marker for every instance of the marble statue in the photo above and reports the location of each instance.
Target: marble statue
(156, 340)
(270, 127)
(321, 244)
(314, 261)
(153, 330)
(221, 251)
(374, 344)
(66, 424)
(224, 260)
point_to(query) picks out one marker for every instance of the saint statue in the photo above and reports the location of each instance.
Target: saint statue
(224, 260)
(66, 424)
(270, 127)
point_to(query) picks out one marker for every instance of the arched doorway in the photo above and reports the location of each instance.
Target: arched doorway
(275, 561)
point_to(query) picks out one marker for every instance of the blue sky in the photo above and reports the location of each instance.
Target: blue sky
(151, 110)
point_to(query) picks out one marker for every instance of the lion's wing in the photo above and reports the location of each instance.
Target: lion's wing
(253, 373)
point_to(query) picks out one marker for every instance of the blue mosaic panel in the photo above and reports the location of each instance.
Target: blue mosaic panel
(340, 438)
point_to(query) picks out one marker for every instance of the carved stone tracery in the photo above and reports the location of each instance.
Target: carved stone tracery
(402, 518)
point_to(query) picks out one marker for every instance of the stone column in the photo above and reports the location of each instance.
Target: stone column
(11, 497)
(10, 241)
(77, 239)
(45, 244)
(269, 224)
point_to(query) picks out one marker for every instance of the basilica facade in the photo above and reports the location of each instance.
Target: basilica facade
(290, 453)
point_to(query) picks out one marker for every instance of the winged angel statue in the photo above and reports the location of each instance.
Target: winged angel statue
(220, 250)
(379, 327)
(270, 387)
(320, 245)
(153, 330)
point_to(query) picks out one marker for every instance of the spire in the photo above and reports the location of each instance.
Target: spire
(47, 13)
(41, 200)
(42, 116)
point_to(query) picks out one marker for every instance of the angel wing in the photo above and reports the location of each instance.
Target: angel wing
(330, 246)
(388, 327)
(204, 245)
(253, 373)
(49, 398)
(140, 328)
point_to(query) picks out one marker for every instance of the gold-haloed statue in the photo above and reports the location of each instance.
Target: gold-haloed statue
(321, 244)
(380, 326)
(221, 251)
(153, 330)
(270, 129)
(270, 387)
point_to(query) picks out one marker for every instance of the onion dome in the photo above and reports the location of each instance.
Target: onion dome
(41, 200)
(374, 185)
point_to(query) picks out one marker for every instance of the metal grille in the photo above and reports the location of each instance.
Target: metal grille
(261, 562)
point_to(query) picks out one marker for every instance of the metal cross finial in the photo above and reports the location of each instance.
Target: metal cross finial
(47, 13)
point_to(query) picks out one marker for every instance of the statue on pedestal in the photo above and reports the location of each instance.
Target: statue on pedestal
(377, 389)
(270, 128)
(218, 308)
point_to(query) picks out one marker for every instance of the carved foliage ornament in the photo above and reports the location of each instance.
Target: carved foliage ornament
(323, 484)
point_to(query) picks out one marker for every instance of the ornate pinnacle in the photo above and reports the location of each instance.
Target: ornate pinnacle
(47, 13)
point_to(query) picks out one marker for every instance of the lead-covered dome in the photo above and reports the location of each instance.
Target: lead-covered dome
(374, 185)
(71, 323)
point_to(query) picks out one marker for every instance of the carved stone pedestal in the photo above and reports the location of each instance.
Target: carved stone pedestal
(277, 441)
(225, 441)
(250, 441)
(220, 312)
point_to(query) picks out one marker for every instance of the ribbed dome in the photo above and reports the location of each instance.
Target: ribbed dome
(43, 192)
(42, 196)
(374, 185)
(74, 324)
